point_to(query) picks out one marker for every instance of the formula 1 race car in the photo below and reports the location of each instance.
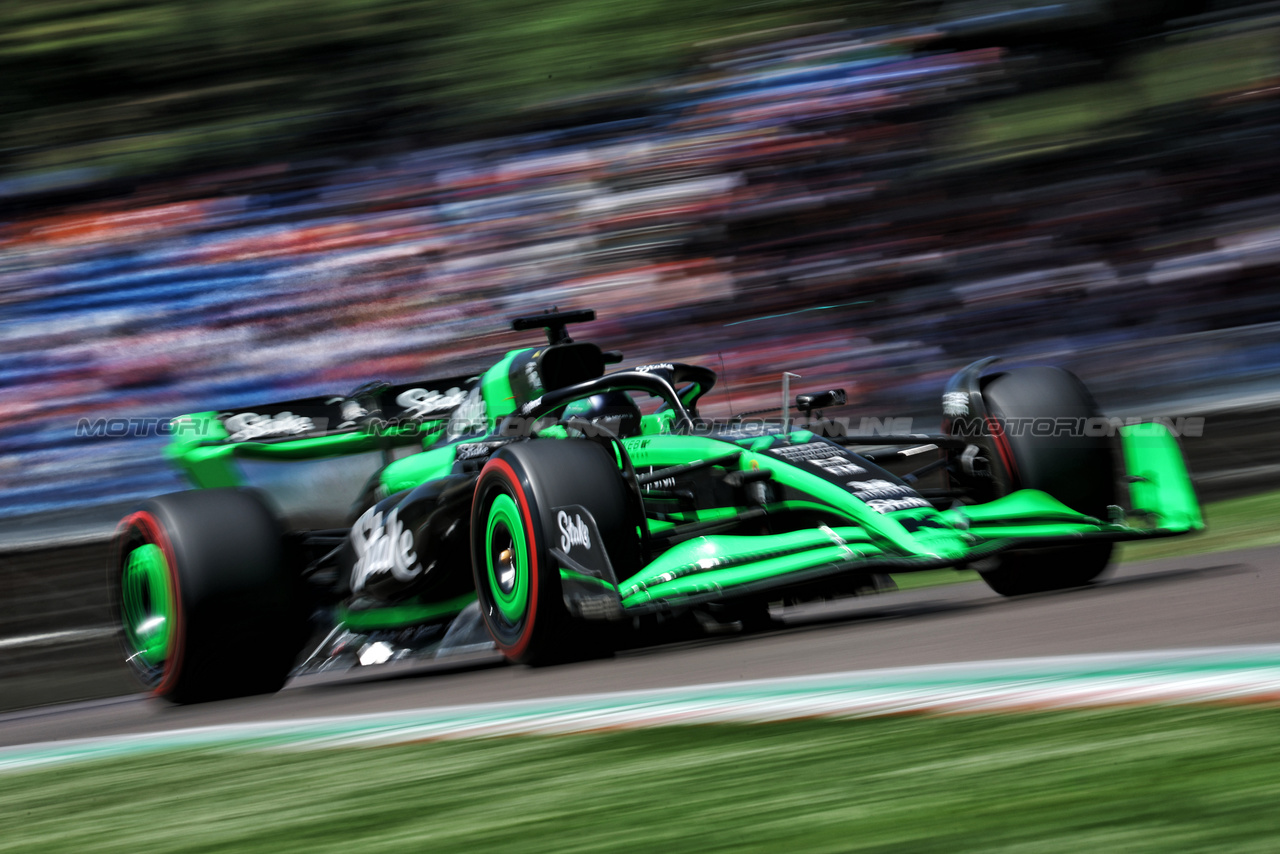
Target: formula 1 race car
(555, 510)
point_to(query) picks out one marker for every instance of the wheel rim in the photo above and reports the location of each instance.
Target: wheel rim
(507, 559)
(147, 605)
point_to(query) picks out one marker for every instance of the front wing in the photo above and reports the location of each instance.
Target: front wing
(1162, 503)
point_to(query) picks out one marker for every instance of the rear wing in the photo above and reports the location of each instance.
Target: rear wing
(376, 416)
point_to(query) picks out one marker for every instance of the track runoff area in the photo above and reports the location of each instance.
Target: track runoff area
(1221, 675)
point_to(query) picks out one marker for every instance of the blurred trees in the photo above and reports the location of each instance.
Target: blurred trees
(153, 87)
(156, 85)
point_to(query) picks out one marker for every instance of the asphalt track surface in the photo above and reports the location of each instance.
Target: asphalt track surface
(1207, 600)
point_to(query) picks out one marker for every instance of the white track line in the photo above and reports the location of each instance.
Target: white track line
(49, 638)
(1223, 674)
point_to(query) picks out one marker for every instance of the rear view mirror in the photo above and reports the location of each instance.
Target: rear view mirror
(807, 403)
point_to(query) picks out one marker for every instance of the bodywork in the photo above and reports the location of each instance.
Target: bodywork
(736, 510)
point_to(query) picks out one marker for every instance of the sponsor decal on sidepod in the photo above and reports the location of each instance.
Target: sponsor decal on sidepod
(382, 547)
(573, 532)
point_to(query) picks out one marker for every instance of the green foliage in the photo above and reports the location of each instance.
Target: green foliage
(1140, 780)
(1153, 78)
(135, 84)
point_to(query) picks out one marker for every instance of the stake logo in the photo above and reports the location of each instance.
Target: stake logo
(382, 547)
(573, 532)
(418, 402)
(469, 417)
(655, 368)
(244, 426)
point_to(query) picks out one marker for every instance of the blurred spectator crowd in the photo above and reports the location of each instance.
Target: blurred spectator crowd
(789, 206)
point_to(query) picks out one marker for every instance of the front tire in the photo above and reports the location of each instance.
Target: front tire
(1076, 469)
(513, 519)
(207, 605)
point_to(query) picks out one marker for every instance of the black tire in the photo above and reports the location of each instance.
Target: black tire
(1076, 469)
(513, 525)
(208, 607)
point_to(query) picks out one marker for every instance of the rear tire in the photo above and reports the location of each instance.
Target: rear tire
(1077, 469)
(208, 607)
(513, 527)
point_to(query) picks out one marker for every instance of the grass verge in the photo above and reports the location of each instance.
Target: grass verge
(1236, 523)
(1136, 780)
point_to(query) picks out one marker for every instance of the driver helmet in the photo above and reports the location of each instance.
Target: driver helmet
(613, 410)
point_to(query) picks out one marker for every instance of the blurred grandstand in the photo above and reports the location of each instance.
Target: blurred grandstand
(854, 206)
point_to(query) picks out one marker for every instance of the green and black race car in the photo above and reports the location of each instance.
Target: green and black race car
(555, 509)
